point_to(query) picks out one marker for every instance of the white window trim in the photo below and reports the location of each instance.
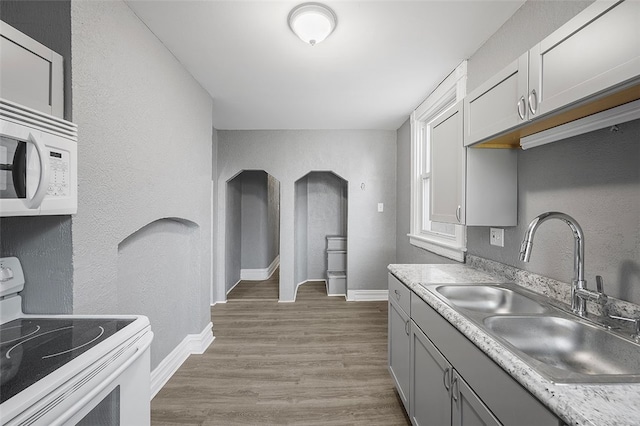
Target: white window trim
(450, 91)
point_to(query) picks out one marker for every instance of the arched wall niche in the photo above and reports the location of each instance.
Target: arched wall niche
(158, 275)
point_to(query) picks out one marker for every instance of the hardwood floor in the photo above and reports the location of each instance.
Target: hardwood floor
(256, 290)
(318, 361)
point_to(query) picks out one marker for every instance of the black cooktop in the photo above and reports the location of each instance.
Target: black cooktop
(32, 348)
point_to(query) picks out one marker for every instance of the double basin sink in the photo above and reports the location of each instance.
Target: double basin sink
(560, 346)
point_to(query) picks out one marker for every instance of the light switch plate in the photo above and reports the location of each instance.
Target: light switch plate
(496, 237)
(380, 207)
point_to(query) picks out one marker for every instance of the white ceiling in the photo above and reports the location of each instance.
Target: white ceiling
(382, 60)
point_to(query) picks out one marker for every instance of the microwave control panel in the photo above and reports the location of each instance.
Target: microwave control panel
(58, 173)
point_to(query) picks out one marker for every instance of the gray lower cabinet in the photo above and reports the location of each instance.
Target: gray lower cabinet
(439, 395)
(444, 379)
(399, 325)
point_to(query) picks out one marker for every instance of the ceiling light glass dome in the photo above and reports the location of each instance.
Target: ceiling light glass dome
(312, 22)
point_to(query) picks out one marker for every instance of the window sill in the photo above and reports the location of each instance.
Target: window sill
(439, 247)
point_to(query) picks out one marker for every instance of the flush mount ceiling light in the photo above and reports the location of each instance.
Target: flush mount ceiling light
(312, 22)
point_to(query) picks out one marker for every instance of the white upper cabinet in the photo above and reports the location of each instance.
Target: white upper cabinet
(31, 74)
(590, 64)
(447, 167)
(499, 104)
(594, 52)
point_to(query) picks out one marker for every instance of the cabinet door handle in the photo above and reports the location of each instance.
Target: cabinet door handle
(406, 327)
(521, 105)
(446, 378)
(458, 211)
(455, 390)
(533, 96)
(398, 295)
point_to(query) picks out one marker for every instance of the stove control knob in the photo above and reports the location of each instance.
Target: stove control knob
(5, 274)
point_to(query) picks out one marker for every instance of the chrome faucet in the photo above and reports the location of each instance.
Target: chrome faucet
(579, 292)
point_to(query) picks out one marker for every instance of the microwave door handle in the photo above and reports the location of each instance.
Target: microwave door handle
(35, 201)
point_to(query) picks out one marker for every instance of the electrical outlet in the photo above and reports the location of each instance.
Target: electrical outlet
(497, 237)
(380, 207)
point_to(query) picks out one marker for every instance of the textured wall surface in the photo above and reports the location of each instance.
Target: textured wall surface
(170, 275)
(254, 212)
(233, 231)
(592, 177)
(360, 157)
(595, 178)
(145, 137)
(405, 251)
(43, 244)
(273, 218)
(300, 230)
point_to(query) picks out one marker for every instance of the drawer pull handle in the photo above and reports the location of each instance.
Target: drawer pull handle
(455, 395)
(397, 294)
(446, 378)
(406, 327)
(521, 105)
(533, 106)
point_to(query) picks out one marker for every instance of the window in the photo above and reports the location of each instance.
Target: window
(445, 239)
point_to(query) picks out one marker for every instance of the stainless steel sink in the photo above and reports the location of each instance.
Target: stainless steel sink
(490, 299)
(569, 350)
(557, 344)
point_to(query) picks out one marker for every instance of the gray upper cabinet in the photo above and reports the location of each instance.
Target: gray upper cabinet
(590, 64)
(596, 51)
(470, 186)
(31, 74)
(499, 104)
(447, 167)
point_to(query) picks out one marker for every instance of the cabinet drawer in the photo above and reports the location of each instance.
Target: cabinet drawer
(336, 261)
(399, 294)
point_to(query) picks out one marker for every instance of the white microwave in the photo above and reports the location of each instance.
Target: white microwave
(38, 163)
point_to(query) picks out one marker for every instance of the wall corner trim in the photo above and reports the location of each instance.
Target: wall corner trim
(367, 295)
(191, 344)
(260, 274)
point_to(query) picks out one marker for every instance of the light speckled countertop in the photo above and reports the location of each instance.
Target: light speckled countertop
(576, 404)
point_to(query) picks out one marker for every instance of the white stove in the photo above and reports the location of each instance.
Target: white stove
(70, 369)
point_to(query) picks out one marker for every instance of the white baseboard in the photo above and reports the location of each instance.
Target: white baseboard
(367, 295)
(191, 344)
(260, 274)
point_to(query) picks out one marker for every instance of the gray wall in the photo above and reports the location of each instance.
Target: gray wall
(43, 244)
(233, 231)
(326, 204)
(406, 252)
(171, 270)
(358, 156)
(145, 138)
(273, 218)
(300, 229)
(254, 212)
(214, 211)
(593, 177)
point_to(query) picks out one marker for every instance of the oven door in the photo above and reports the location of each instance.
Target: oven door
(115, 390)
(37, 172)
(123, 398)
